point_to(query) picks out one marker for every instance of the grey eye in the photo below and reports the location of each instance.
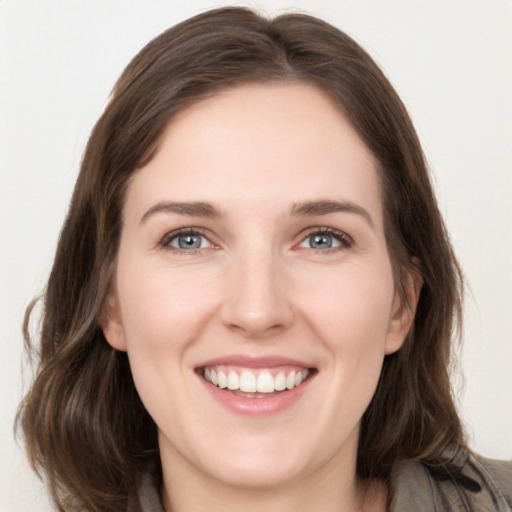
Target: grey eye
(321, 241)
(189, 241)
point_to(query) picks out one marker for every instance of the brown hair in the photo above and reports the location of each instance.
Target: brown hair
(85, 427)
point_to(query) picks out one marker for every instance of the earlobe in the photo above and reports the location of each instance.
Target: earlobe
(111, 324)
(404, 308)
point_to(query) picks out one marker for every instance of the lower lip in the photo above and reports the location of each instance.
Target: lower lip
(263, 406)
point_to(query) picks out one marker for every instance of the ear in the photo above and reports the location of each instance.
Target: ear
(404, 308)
(111, 324)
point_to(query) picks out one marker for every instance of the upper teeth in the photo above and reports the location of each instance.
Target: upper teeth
(248, 382)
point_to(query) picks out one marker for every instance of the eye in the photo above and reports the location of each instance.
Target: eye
(326, 239)
(186, 241)
(321, 241)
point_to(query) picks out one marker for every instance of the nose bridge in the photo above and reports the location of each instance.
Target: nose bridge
(257, 302)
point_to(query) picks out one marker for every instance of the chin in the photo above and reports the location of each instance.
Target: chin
(247, 461)
(259, 473)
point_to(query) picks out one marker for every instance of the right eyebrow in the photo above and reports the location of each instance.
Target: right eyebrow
(191, 209)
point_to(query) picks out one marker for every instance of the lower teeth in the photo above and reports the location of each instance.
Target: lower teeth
(254, 395)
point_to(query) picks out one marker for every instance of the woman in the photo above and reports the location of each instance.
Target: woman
(253, 297)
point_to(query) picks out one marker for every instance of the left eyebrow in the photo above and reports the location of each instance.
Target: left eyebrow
(325, 207)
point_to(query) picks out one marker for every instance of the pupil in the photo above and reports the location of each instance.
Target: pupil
(321, 241)
(189, 242)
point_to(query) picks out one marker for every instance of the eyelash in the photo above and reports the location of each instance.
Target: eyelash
(346, 242)
(169, 237)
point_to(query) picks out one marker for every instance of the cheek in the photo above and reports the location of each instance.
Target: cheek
(161, 308)
(351, 318)
(162, 314)
(352, 308)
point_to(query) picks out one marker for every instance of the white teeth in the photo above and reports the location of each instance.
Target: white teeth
(265, 383)
(280, 382)
(233, 381)
(247, 381)
(290, 380)
(223, 380)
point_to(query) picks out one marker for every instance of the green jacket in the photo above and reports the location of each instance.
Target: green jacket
(485, 485)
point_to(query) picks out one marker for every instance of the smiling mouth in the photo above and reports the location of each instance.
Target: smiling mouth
(251, 383)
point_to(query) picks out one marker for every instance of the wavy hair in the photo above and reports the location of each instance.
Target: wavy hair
(86, 431)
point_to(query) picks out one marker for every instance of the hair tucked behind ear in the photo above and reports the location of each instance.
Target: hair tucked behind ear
(86, 431)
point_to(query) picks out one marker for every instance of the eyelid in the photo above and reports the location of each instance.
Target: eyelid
(346, 241)
(166, 240)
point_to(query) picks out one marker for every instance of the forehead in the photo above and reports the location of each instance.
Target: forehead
(281, 142)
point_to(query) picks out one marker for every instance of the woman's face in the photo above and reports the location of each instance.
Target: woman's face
(253, 257)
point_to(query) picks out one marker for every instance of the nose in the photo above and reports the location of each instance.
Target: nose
(257, 297)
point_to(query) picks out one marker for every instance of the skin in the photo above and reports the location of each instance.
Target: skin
(256, 287)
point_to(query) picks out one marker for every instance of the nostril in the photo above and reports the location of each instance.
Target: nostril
(256, 324)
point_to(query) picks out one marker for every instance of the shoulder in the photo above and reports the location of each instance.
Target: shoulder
(481, 484)
(501, 473)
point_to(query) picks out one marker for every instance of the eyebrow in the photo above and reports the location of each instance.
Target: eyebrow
(192, 209)
(301, 209)
(325, 207)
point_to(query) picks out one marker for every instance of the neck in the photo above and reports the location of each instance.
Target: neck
(187, 490)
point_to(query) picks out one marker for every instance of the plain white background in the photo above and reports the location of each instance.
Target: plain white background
(451, 62)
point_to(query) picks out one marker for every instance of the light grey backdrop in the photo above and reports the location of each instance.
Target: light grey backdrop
(450, 61)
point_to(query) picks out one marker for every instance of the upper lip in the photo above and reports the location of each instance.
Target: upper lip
(253, 362)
